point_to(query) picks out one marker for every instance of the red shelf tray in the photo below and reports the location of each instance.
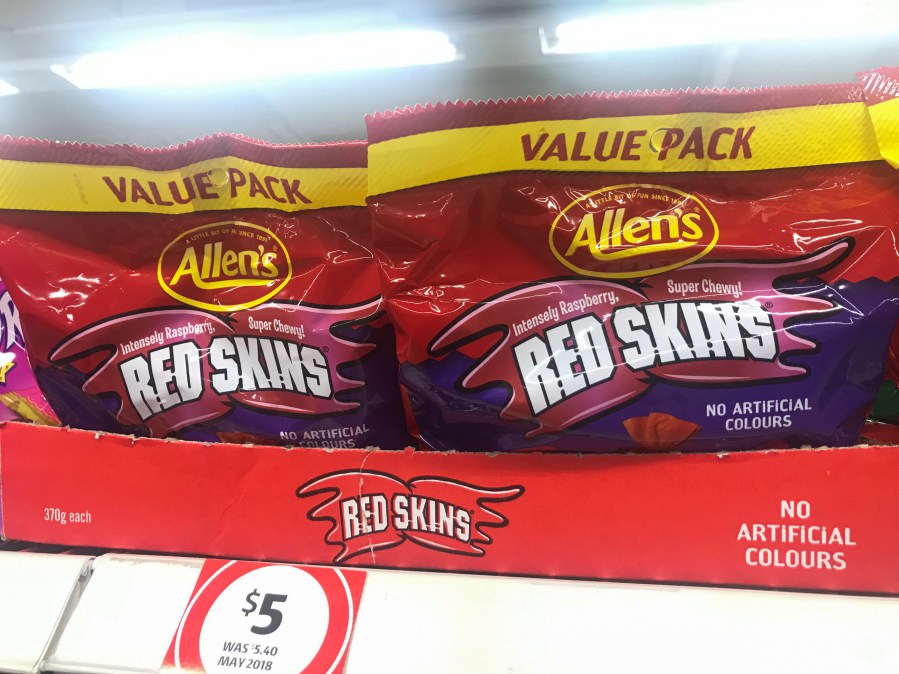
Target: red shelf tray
(823, 519)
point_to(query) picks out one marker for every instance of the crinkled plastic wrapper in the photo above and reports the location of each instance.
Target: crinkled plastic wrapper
(689, 271)
(220, 290)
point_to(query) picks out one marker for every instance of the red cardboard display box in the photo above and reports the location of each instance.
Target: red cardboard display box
(822, 519)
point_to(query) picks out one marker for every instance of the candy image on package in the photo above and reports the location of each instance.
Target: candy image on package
(220, 290)
(691, 271)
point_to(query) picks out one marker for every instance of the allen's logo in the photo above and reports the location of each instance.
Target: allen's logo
(226, 266)
(371, 511)
(632, 231)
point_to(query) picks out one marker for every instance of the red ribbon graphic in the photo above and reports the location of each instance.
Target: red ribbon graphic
(372, 511)
(104, 347)
(502, 317)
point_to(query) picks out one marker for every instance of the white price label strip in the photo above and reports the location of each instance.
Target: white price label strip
(35, 593)
(138, 612)
(255, 617)
(127, 615)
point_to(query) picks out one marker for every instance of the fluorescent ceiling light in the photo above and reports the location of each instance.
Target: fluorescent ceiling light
(6, 89)
(211, 58)
(723, 22)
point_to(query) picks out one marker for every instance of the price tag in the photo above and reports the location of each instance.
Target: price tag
(257, 617)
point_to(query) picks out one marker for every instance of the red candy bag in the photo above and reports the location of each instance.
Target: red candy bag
(223, 289)
(697, 271)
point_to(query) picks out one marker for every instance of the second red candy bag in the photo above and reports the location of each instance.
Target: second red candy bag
(697, 271)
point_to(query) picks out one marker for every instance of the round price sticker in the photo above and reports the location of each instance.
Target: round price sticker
(254, 617)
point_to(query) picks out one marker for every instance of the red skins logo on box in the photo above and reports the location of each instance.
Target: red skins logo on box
(643, 272)
(224, 289)
(370, 511)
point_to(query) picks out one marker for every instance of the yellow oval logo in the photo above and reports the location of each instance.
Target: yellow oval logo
(631, 231)
(225, 266)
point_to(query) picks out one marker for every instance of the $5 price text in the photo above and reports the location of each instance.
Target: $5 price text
(266, 609)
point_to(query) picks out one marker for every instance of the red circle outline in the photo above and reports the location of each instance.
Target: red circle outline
(332, 582)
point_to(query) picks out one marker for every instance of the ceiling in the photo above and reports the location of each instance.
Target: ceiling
(499, 41)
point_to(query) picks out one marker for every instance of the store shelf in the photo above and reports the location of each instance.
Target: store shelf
(36, 593)
(457, 562)
(436, 623)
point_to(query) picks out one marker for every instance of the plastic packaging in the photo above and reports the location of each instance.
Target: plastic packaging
(223, 289)
(692, 271)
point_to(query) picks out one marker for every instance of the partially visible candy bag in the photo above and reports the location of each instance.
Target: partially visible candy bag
(223, 289)
(886, 405)
(882, 93)
(20, 397)
(694, 271)
(892, 369)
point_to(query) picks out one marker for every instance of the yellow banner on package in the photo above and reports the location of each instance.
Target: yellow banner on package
(687, 142)
(885, 117)
(226, 183)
